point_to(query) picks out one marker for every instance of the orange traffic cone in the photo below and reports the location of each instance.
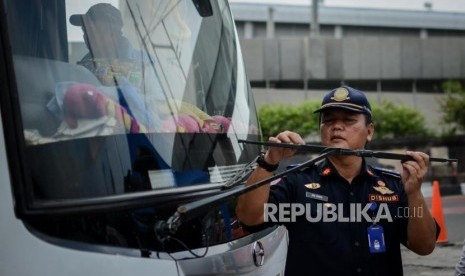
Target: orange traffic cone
(437, 213)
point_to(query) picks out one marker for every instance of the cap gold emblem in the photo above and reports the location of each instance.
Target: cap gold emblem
(341, 94)
(313, 185)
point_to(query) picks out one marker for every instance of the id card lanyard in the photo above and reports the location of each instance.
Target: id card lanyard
(375, 232)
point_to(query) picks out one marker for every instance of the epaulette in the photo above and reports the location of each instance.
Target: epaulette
(387, 171)
(290, 166)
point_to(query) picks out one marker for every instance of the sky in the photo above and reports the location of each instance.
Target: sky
(436, 5)
(75, 33)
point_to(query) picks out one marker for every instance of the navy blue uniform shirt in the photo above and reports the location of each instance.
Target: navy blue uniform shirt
(341, 247)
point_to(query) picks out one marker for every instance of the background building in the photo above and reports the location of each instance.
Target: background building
(400, 55)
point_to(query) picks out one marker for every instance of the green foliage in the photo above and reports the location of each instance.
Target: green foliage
(275, 118)
(394, 120)
(453, 105)
(452, 86)
(391, 120)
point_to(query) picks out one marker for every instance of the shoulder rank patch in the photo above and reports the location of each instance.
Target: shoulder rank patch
(290, 166)
(387, 172)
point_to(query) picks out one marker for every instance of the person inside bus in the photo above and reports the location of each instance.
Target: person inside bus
(110, 52)
(128, 83)
(117, 63)
(350, 217)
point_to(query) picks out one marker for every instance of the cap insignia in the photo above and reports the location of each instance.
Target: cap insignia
(341, 94)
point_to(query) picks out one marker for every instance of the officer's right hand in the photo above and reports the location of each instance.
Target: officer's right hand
(275, 154)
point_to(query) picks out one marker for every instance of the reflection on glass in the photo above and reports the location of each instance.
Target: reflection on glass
(145, 95)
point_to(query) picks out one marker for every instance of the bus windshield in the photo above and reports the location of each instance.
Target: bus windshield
(128, 97)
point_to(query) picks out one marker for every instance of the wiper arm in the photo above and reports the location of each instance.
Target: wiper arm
(361, 153)
(185, 212)
(239, 176)
(190, 210)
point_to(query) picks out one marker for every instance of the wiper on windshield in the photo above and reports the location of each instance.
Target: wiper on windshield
(190, 210)
(361, 153)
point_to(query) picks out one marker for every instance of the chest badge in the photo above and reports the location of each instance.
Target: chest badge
(381, 187)
(312, 186)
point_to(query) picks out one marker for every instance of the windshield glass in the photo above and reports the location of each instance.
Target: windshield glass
(129, 96)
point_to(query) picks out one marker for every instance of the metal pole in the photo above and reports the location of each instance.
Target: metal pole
(270, 23)
(314, 26)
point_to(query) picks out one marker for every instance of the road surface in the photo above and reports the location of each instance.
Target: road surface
(446, 255)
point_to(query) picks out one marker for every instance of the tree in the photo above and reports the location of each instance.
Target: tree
(396, 120)
(391, 120)
(453, 105)
(300, 118)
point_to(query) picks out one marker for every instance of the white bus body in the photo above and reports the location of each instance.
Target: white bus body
(96, 151)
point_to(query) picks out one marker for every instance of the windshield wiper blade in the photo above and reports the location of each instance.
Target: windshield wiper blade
(187, 211)
(361, 153)
(300, 148)
(397, 156)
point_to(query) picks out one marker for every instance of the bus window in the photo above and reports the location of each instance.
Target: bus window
(123, 97)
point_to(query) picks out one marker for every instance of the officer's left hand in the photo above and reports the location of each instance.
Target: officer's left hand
(414, 171)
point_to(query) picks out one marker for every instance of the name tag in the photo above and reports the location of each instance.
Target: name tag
(316, 196)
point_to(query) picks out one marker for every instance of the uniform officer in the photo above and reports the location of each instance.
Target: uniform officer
(344, 217)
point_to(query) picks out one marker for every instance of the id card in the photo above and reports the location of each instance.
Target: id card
(376, 239)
